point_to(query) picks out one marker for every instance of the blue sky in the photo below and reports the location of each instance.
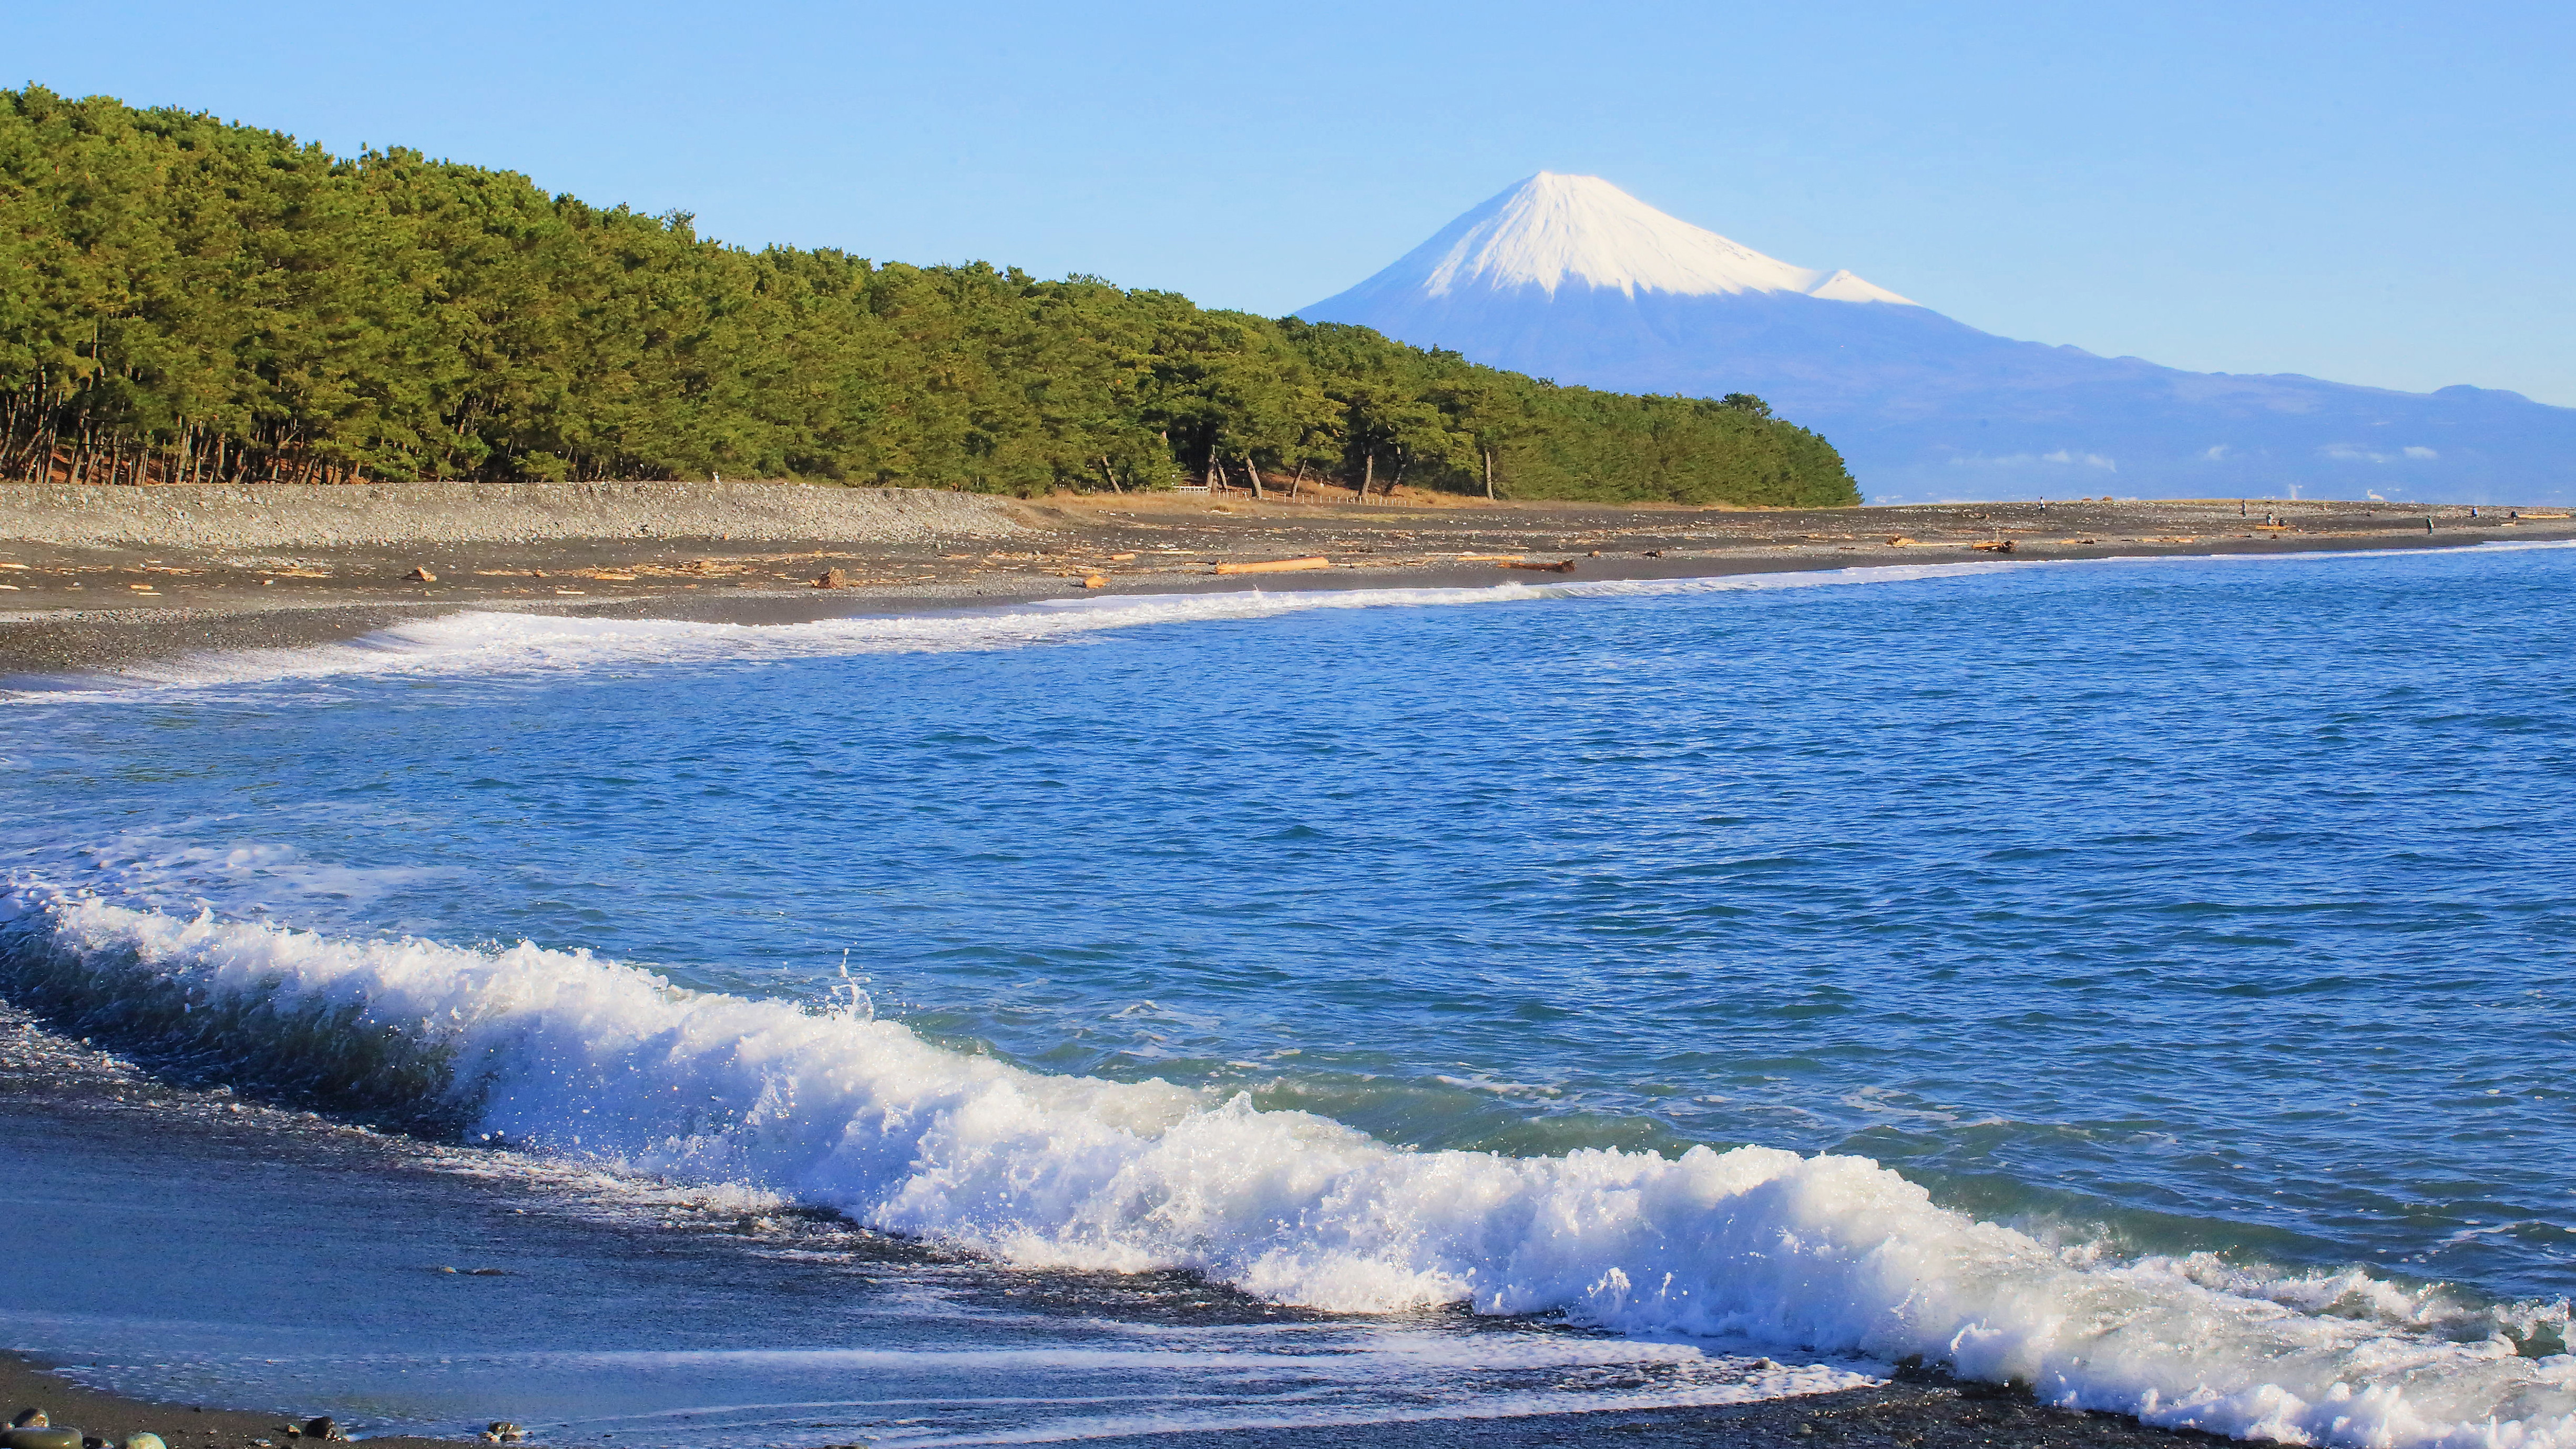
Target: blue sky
(2381, 194)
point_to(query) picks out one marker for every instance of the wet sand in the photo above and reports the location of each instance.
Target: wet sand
(81, 607)
(1919, 1412)
(26, 1383)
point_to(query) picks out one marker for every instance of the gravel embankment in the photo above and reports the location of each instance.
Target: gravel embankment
(259, 516)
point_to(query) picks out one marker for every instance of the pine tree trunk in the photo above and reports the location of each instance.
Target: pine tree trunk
(1299, 481)
(1255, 474)
(1368, 474)
(53, 440)
(1489, 475)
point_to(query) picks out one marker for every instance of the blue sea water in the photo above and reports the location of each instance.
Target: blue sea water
(2174, 943)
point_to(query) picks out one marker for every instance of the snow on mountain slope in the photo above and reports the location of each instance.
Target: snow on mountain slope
(1551, 229)
(1844, 287)
(1568, 277)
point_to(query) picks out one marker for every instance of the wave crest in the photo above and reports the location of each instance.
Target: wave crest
(561, 1050)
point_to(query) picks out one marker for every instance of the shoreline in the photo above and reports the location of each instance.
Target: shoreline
(1916, 1410)
(28, 1381)
(68, 1116)
(75, 609)
(213, 602)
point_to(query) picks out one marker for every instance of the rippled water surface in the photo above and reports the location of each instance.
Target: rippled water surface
(2163, 906)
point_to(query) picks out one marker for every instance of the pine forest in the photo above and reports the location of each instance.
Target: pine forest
(193, 301)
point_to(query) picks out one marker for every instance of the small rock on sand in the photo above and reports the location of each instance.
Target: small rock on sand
(832, 579)
(421, 575)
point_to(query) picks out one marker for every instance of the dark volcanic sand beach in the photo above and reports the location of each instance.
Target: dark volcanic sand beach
(80, 606)
(27, 1383)
(1917, 1415)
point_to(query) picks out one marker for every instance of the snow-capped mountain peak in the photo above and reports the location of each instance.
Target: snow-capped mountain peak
(1571, 279)
(1552, 230)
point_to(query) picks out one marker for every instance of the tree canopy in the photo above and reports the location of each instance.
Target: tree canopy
(188, 300)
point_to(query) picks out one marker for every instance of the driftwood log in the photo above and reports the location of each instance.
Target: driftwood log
(1275, 566)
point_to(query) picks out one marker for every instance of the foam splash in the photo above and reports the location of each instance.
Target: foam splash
(1832, 1254)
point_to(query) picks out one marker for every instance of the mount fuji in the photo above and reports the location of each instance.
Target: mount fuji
(1570, 278)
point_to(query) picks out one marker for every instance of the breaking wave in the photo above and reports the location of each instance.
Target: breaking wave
(494, 642)
(490, 642)
(562, 1051)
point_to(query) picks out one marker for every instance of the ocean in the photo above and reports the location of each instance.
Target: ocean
(2144, 981)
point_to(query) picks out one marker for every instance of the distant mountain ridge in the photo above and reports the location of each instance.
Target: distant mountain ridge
(1571, 278)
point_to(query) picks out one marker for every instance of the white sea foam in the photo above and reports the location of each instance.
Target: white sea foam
(167, 867)
(485, 642)
(1831, 1254)
(522, 644)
